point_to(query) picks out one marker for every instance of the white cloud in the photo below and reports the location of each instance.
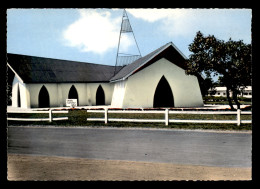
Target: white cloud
(95, 31)
(150, 15)
(224, 23)
(173, 22)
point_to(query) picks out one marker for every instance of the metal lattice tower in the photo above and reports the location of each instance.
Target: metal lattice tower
(123, 59)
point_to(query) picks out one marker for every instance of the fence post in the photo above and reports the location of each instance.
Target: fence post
(166, 116)
(238, 117)
(106, 117)
(50, 115)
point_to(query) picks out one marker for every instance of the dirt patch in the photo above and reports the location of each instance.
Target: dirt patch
(26, 167)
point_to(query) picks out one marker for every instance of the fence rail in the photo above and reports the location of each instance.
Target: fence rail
(166, 120)
(50, 118)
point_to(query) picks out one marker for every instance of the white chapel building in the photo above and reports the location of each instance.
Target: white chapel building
(155, 80)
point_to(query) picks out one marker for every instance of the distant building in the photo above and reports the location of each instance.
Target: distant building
(155, 80)
(222, 91)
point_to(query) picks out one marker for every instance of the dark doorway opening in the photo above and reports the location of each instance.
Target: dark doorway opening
(18, 97)
(163, 96)
(73, 94)
(44, 99)
(100, 96)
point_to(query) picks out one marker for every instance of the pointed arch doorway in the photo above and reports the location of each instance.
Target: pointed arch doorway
(100, 96)
(73, 94)
(18, 97)
(44, 99)
(163, 96)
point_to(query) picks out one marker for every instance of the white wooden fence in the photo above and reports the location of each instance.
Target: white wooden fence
(166, 119)
(50, 118)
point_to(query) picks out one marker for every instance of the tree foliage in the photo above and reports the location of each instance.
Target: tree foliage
(230, 60)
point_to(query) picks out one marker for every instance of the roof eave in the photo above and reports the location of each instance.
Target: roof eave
(117, 80)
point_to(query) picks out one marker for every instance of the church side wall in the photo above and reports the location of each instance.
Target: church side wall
(64, 89)
(35, 90)
(140, 88)
(14, 92)
(119, 93)
(24, 94)
(58, 93)
(92, 89)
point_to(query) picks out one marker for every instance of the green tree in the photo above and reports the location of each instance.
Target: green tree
(230, 60)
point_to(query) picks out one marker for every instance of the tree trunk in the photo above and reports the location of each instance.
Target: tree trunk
(229, 100)
(235, 99)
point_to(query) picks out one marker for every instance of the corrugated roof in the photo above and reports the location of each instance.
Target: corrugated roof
(47, 70)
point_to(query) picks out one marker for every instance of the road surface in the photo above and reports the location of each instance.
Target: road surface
(221, 149)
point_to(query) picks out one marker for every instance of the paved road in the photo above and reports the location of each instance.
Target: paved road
(224, 149)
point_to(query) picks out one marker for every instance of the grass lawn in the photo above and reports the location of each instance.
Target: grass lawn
(78, 118)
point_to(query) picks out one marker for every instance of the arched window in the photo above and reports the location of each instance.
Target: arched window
(100, 96)
(44, 99)
(73, 94)
(163, 96)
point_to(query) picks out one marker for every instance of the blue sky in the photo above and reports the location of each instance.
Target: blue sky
(91, 35)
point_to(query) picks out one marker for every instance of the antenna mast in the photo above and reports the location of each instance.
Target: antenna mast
(123, 59)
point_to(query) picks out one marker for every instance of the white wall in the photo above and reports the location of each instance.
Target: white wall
(64, 88)
(24, 94)
(58, 93)
(34, 90)
(92, 89)
(119, 93)
(14, 92)
(137, 91)
(140, 87)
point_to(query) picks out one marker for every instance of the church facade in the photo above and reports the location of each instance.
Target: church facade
(155, 80)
